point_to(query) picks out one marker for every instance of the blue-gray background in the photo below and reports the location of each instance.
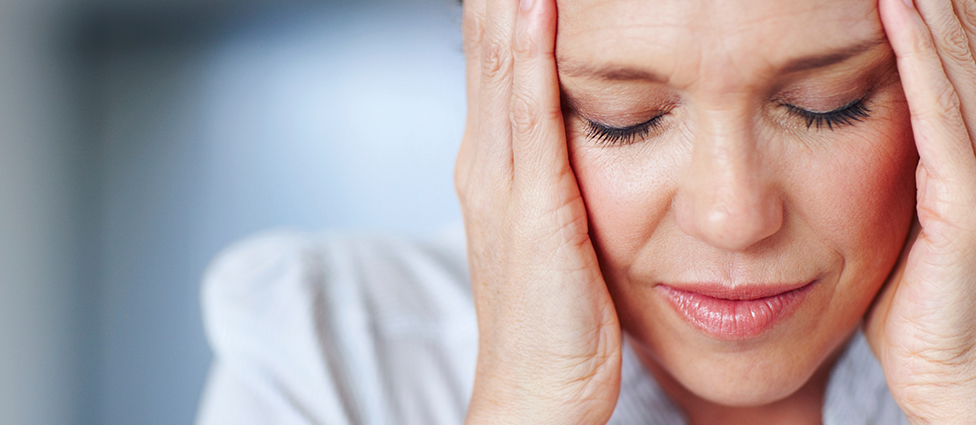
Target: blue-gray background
(139, 137)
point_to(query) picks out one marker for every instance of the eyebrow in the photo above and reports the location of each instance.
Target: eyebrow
(609, 73)
(803, 63)
(821, 60)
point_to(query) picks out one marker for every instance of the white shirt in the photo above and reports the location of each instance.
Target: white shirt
(315, 329)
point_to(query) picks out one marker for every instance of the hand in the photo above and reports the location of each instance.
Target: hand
(923, 325)
(549, 348)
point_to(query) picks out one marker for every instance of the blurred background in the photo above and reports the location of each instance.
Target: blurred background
(139, 137)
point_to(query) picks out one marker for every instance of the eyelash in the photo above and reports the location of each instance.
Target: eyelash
(855, 111)
(846, 115)
(606, 135)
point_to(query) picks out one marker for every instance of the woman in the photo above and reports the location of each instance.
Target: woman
(722, 192)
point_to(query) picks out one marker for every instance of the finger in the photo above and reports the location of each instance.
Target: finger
(953, 46)
(472, 30)
(495, 136)
(538, 130)
(941, 134)
(966, 11)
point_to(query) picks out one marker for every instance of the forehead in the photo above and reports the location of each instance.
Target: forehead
(709, 35)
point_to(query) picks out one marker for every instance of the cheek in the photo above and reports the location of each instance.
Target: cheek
(628, 192)
(859, 199)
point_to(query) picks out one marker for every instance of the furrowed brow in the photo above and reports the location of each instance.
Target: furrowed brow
(609, 73)
(629, 73)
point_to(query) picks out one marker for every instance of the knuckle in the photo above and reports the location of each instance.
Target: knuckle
(920, 42)
(948, 103)
(955, 45)
(524, 114)
(496, 61)
(473, 32)
(460, 185)
(967, 14)
(525, 46)
(945, 108)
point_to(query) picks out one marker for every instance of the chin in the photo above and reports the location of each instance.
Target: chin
(751, 373)
(745, 385)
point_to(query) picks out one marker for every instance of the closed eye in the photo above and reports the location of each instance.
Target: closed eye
(607, 135)
(845, 115)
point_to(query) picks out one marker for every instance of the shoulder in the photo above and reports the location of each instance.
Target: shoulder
(247, 277)
(282, 268)
(350, 320)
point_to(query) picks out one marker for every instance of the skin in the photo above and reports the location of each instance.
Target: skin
(569, 238)
(735, 186)
(733, 189)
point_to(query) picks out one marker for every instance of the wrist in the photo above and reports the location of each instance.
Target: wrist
(525, 414)
(502, 402)
(942, 404)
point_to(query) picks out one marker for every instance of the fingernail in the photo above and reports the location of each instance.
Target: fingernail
(909, 3)
(527, 4)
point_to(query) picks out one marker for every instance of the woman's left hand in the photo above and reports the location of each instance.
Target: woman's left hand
(923, 325)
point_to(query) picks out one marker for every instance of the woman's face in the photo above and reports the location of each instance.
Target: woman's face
(748, 168)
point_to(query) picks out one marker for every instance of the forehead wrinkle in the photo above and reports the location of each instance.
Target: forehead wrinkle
(700, 44)
(609, 68)
(722, 62)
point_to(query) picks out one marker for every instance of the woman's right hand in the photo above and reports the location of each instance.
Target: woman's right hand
(549, 348)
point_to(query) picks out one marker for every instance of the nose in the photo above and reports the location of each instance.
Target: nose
(728, 199)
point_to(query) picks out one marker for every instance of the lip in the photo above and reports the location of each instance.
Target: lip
(735, 313)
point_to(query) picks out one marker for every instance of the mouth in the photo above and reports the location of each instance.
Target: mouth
(735, 313)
